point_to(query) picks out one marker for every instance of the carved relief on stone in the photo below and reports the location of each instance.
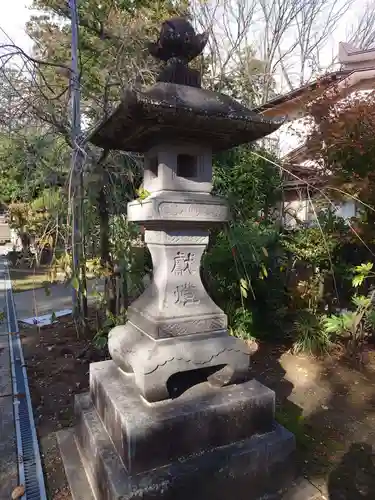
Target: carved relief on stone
(153, 361)
(173, 238)
(176, 292)
(165, 205)
(193, 326)
(173, 330)
(196, 210)
(175, 325)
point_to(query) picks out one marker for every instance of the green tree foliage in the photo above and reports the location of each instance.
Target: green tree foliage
(243, 268)
(41, 223)
(13, 110)
(31, 162)
(112, 49)
(249, 181)
(246, 277)
(356, 326)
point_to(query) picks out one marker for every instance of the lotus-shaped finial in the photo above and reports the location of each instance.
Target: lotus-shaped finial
(178, 39)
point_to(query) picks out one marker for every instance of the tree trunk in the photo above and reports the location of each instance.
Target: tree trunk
(105, 252)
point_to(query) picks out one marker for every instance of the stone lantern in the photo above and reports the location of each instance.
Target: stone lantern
(175, 413)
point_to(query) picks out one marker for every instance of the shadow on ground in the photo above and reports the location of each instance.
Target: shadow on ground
(330, 406)
(354, 477)
(266, 368)
(25, 279)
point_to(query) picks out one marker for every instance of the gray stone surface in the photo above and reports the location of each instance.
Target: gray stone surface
(77, 478)
(5, 377)
(176, 302)
(8, 454)
(179, 207)
(201, 419)
(155, 362)
(161, 169)
(174, 326)
(246, 470)
(186, 439)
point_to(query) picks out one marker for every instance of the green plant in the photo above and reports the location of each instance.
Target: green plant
(361, 273)
(241, 324)
(308, 292)
(244, 272)
(100, 340)
(355, 326)
(309, 333)
(290, 417)
(143, 194)
(319, 263)
(249, 181)
(312, 245)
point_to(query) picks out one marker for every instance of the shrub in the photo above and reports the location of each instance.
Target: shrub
(310, 335)
(356, 326)
(242, 324)
(244, 273)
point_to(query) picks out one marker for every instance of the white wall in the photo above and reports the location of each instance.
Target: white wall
(295, 211)
(301, 211)
(346, 210)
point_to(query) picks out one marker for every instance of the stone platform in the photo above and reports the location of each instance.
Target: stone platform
(210, 443)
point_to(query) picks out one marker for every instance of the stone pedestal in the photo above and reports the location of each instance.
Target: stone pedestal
(210, 443)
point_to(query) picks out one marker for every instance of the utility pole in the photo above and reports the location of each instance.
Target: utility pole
(76, 159)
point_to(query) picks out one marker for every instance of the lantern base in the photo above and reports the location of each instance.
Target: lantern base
(156, 363)
(208, 443)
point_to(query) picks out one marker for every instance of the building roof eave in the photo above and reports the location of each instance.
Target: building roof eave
(327, 79)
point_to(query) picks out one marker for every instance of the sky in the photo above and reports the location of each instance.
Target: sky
(13, 20)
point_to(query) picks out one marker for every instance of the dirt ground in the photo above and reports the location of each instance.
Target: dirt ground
(327, 403)
(58, 368)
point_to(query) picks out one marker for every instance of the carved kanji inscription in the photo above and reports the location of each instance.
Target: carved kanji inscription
(185, 295)
(183, 263)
